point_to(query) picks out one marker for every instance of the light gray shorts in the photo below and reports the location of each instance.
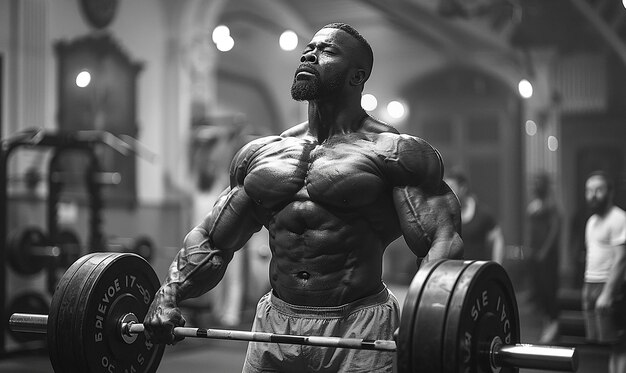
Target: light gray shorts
(373, 317)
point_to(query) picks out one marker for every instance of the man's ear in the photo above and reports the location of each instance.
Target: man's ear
(359, 77)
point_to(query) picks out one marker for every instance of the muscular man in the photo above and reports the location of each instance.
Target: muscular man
(333, 192)
(604, 289)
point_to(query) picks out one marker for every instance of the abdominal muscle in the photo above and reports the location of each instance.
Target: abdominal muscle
(322, 259)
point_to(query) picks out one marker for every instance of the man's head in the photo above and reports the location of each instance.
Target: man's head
(599, 192)
(459, 183)
(337, 58)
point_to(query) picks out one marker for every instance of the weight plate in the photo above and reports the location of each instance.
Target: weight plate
(20, 247)
(62, 308)
(482, 307)
(430, 318)
(93, 295)
(405, 337)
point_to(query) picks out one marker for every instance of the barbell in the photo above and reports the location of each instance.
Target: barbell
(458, 316)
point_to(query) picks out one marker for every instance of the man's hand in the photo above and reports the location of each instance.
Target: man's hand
(162, 317)
(604, 302)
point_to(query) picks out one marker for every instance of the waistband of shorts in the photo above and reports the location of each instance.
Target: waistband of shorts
(329, 312)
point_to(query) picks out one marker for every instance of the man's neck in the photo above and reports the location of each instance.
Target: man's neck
(328, 118)
(605, 211)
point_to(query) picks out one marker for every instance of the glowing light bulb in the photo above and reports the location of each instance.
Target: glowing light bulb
(83, 79)
(369, 102)
(395, 109)
(288, 40)
(525, 88)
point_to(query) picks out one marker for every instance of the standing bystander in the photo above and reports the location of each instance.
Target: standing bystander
(604, 289)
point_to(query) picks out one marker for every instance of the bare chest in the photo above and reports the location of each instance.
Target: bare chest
(340, 174)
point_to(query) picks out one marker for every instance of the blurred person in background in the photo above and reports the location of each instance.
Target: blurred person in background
(541, 239)
(604, 289)
(482, 235)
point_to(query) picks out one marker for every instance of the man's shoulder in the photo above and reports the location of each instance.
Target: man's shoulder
(618, 214)
(410, 160)
(372, 125)
(297, 130)
(252, 147)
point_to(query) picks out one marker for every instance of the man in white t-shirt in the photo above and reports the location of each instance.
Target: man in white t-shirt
(604, 290)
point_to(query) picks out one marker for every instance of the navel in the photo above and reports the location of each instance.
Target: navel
(303, 275)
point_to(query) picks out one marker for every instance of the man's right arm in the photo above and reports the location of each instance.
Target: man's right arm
(207, 249)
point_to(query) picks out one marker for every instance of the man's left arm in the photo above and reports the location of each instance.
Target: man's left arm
(616, 278)
(430, 222)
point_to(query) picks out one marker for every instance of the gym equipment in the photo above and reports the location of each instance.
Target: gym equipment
(62, 145)
(31, 250)
(458, 316)
(28, 302)
(141, 245)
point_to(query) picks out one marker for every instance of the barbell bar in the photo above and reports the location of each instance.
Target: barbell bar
(520, 355)
(94, 326)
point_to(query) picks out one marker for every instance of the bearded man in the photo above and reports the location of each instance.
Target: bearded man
(604, 289)
(333, 193)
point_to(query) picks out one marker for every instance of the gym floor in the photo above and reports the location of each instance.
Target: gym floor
(201, 355)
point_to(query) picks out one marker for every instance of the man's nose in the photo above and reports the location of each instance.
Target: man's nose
(309, 57)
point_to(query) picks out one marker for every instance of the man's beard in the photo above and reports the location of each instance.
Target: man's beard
(315, 89)
(598, 206)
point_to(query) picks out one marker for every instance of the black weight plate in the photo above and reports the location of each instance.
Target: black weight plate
(404, 362)
(482, 307)
(100, 290)
(19, 246)
(430, 318)
(62, 308)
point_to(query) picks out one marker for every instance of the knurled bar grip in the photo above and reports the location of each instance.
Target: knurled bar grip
(238, 335)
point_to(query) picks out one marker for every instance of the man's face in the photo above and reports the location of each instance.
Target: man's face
(325, 65)
(597, 194)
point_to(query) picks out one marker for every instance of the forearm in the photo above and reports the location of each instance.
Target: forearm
(450, 246)
(197, 268)
(208, 248)
(430, 224)
(617, 273)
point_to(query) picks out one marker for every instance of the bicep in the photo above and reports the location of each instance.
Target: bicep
(231, 222)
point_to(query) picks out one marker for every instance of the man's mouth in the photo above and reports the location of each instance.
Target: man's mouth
(305, 73)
